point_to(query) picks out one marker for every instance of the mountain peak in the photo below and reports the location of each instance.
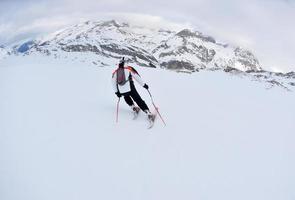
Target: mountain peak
(186, 33)
(111, 23)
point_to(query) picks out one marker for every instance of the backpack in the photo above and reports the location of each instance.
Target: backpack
(121, 77)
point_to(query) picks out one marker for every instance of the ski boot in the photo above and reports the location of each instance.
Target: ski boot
(136, 111)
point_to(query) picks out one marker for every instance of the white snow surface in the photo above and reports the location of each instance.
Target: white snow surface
(226, 137)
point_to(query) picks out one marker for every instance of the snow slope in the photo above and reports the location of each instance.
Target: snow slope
(226, 138)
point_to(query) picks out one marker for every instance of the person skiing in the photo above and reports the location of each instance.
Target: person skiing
(123, 85)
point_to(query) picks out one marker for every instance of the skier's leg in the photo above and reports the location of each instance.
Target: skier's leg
(130, 102)
(136, 97)
(128, 99)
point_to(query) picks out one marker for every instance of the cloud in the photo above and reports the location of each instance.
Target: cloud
(263, 26)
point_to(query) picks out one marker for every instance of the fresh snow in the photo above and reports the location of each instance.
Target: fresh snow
(226, 137)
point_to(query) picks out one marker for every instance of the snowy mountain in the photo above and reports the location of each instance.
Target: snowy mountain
(188, 50)
(226, 138)
(102, 43)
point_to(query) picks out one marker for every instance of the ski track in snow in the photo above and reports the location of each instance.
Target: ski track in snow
(226, 137)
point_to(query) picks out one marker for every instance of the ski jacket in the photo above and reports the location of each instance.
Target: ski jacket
(130, 73)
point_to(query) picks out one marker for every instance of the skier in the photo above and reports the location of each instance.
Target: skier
(123, 85)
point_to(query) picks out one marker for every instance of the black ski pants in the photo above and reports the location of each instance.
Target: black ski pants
(133, 95)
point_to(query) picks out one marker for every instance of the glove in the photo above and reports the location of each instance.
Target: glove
(118, 94)
(146, 86)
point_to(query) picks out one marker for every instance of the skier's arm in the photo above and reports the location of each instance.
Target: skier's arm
(114, 82)
(138, 79)
(136, 76)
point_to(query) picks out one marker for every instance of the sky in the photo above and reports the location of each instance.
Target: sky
(266, 27)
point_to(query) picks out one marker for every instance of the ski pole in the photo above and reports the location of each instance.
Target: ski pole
(156, 107)
(117, 114)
